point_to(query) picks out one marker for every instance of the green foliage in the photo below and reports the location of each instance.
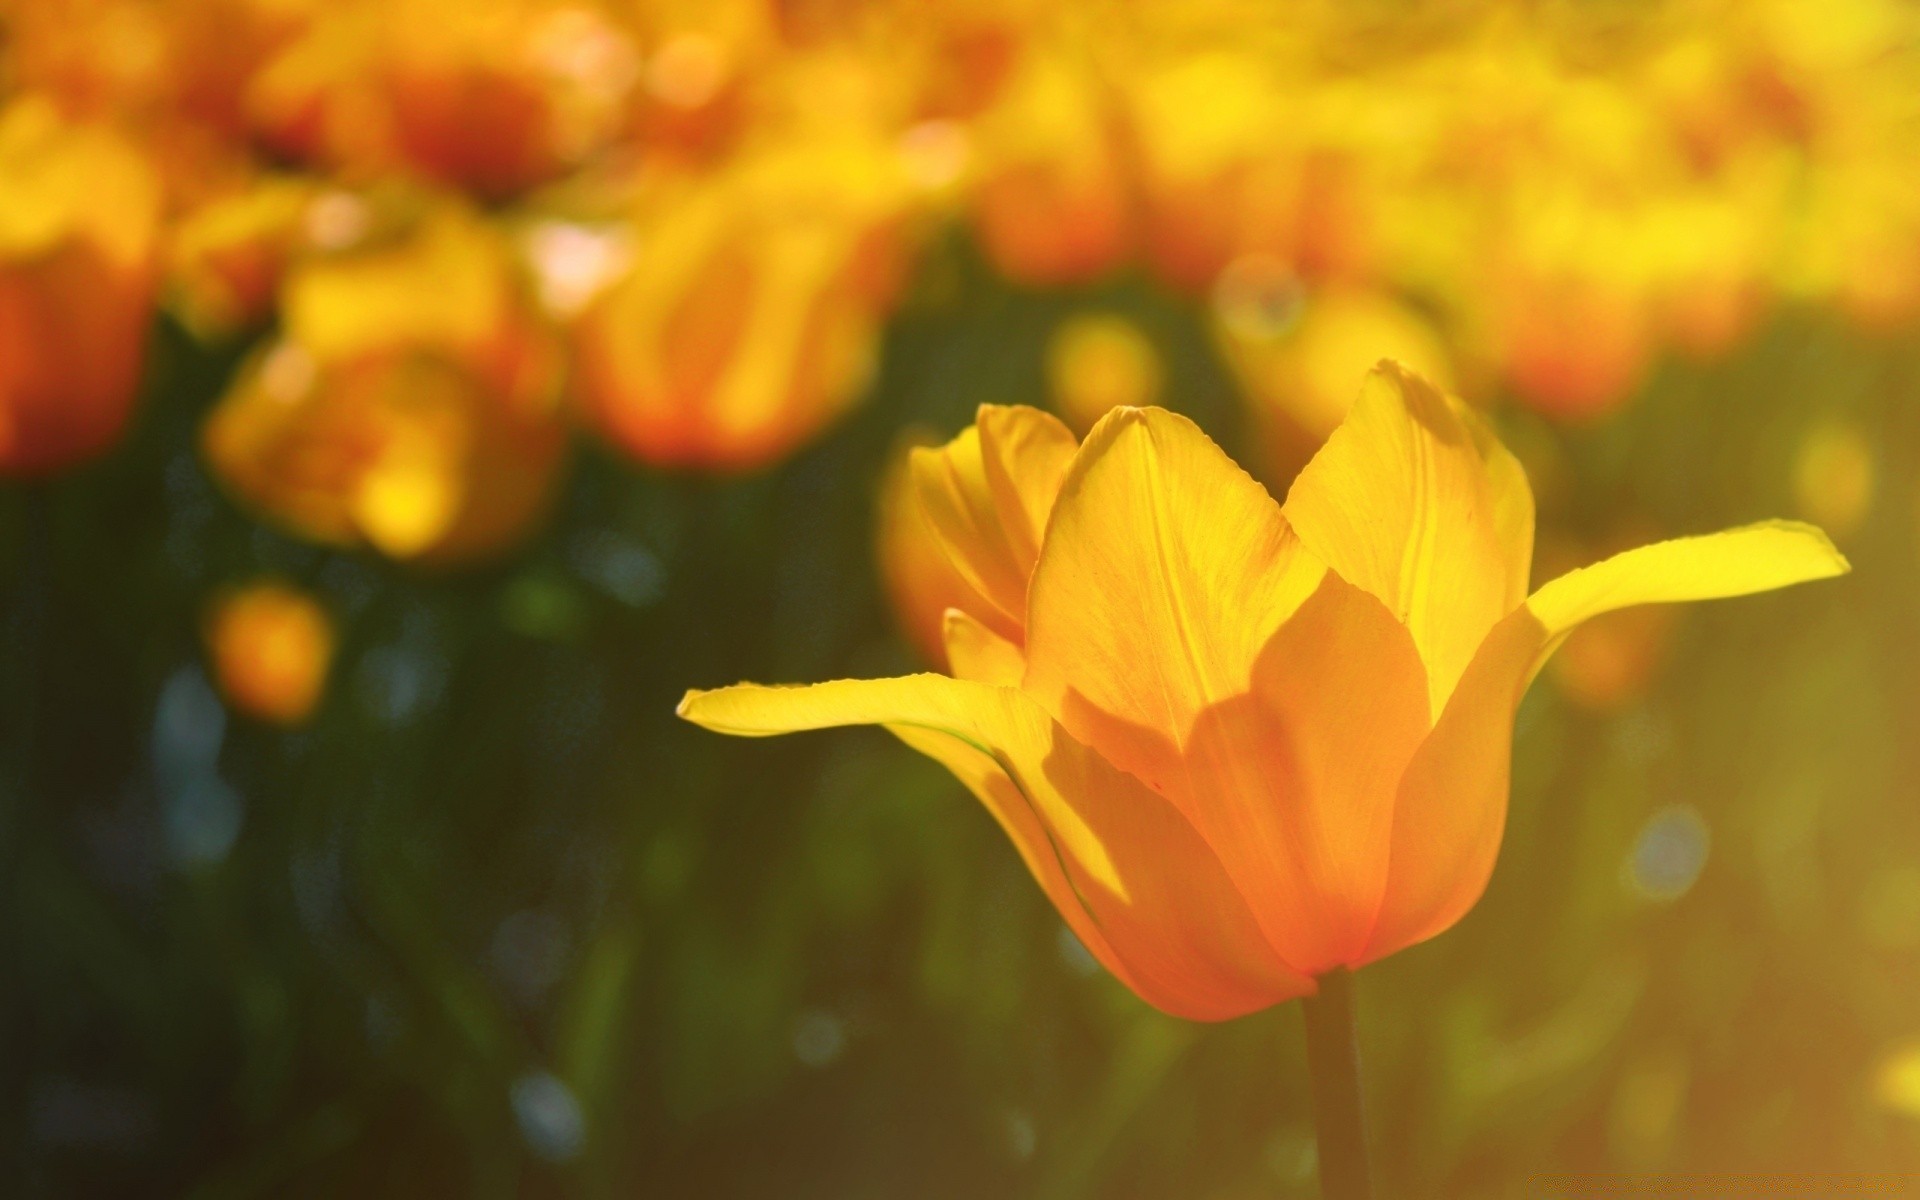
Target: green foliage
(496, 924)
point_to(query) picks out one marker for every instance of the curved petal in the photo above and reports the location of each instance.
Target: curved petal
(1166, 569)
(1734, 562)
(920, 583)
(986, 494)
(1453, 800)
(1131, 878)
(1028, 452)
(978, 653)
(1415, 500)
(1294, 784)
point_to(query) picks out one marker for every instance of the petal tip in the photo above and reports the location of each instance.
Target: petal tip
(1835, 564)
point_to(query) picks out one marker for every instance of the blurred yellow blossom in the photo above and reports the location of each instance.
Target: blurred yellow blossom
(1101, 361)
(1834, 476)
(751, 314)
(1897, 1081)
(271, 646)
(1051, 201)
(1534, 202)
(1302, 375)
(411, 401)
(228, 254)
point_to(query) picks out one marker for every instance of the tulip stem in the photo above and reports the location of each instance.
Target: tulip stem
(1333, 1067)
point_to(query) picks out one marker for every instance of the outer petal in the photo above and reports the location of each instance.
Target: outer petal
(1294, 784)
(1166, 570)
(1413, 499)
(1128, 874)
(1736, 562)
(986, 494)
(1453, 800)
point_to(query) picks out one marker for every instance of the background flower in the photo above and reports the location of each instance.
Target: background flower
(492, 918)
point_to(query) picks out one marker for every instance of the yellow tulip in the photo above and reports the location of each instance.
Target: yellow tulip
(1243, 745)
(1052, 204)
(750, 317)
(494, 96)
(227, 255)
(411, 403)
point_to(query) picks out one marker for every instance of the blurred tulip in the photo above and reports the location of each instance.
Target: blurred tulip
(411, 403)
(750, 317)
(79, 211)
(692, 94)
(1101, 361)
(1051, 203)
(271, 646)
(1571, 347)
(1241, 745)
(228, 255)
(1711, 288)
(494, 97)
(1209, 129)
(1608, 663)
(1833, 476)
(1304, 376)
(1897, 1079)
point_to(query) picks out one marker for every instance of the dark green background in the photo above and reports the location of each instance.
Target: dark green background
(497, 924)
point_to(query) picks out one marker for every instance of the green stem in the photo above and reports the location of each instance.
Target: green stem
(1333, 1066)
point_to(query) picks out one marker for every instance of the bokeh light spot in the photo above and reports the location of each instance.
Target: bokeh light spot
(819, 1037)
(202, 821)
(549, 1116)
(1669, 854)
(1834, 476)
(1101, 361)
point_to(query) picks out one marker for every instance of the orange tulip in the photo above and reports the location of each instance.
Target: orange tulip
(78, 221)
(751, 315)
(227, 256)
(412, 402)
(271, 647)
(1051, 203)
(493, 96)
(1572, 348)
(1242, 745)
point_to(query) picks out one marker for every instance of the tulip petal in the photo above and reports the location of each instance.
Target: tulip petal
(919, 580)
(987, 494)
(977, 653)
(1414, 500)
(1028, 452)
(1128, 874)
(1166, 570)
(1453, 800)
(1735, 562)
(1294, 784)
